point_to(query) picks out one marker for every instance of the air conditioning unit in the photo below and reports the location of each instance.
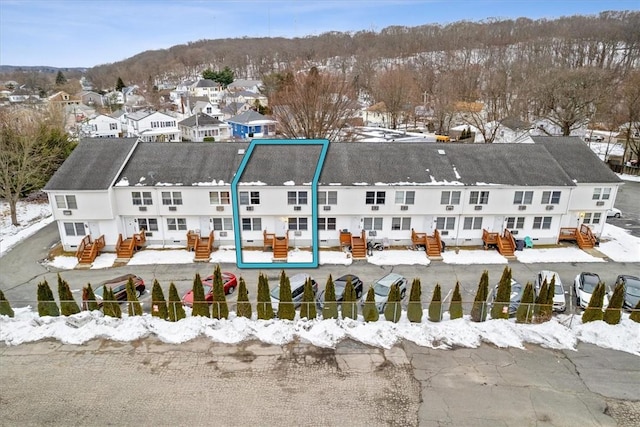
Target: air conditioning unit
(66, 212)
(297, 208)
(173, 208)
(373, 233)
(326, 208)
(249, 208)
(549, 207)
(514, 231)
(600, 203)
(220, 208)
(148, 234)
(404, 208)
(375, 208)
(444, 233)
(477, 207)
(223, 234)
(297, 233)
(142, 208)
(522, 208)
(449, 207)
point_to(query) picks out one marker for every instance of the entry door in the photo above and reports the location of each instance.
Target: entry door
(94, 229)
(498, 224)
(130, 226)
(205, 226)
(428, 224)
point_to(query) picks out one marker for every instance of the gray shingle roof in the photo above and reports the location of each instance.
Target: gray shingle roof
(92, 165)
(247, 117)
(203, 120)
(277, 164)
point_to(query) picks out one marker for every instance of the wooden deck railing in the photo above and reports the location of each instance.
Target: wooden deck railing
(86, 241)
(267, 240)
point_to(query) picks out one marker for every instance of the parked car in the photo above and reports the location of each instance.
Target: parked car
(583, 286)
(559, 302)
(119, 287)
(229, 283)
(614, 213)
(340, 284)
(382, 287)
(517, 290)
(297, 282)
(631, 290)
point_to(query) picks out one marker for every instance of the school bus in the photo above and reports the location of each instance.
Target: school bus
(443, 138)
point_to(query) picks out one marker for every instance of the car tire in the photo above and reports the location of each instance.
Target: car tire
(617, 215)
(232, 289)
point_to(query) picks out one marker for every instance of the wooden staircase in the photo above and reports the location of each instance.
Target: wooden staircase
(583, 236)
(280, 245)
(505, 243)
(202, 247)
(432, 244)
(359, 246)
(89, 249)
(126, 247)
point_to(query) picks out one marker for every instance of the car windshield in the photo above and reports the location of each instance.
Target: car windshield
(340, 288)
(381, 290)
(633, 288)
(558, 290)
(275, 293)
(589, 283)
(98, 292)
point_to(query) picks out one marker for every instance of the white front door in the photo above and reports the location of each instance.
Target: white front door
(498, 224)
(94, 229)
(205, 226)
(130, 226)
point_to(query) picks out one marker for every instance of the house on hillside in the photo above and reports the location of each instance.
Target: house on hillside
(244, 84)
(246, 97)
(376, 115)
(232, 109)
(202, 127)
(152, 126)
(208, 108)
(209, 88)
(92, 99)
(252, 124)
(64, 99)
(103, 126)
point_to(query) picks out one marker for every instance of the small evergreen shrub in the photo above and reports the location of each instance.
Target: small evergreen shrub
(68, 305)
(524, 313)
(308, 307)
(479, 309)
(455, 308)
(110, 305)
(435, 307)
(414, 309)
(5, 307)
(175, 308)
(46, 303)
(220, 309)
(635, 314)
(330, 307)
(612, 312)
(200, 306)
(370, 311)
(546, 312)
(286, 309)
(134, 308)
(594, 309)
(244, 306)
(541, 298)
(349, 301)
(89, 299)
(264, 307)
(158, 303)
(500, 307)
(392, 309)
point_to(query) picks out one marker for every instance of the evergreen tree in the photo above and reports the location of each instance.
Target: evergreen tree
(392, 309)
(370, 311)
(89, 299)
(46, 303)
(500, 307)
(435, 307)
(635, 313)
(594, 309)
(107, 308)
(134, 308)
(330, 307)
(115, 306)
(120, 85)
(60, 79)
(244, 306)
(414, 310)
(524, 313)
(548, 307)
(175, 308)
(349, 301)
(158, 303)
(308, 308)
(541, 299)
(200, 306)
(479, 309)
(68, 305)
(5, 307)
(264, 307)
(612, 312)
(220, 307)
(286, 310)
(455, 308)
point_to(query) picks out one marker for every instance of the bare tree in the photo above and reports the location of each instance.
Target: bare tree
(629, 92)
(398, 90)
(32, 145)
(312, 105)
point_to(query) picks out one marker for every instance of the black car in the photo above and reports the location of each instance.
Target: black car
(340, 284)
(631, 290)
(517, 290)
(119, 286)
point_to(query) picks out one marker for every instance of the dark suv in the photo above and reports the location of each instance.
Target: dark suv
(119, 286)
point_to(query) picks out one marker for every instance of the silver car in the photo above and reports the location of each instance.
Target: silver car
(382, 287)
(297, 282)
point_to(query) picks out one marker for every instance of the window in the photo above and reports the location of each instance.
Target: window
(171, 198)
(174, 224)
(74, 228)
(472, 223)
(601, 193)
(372, 224)
(66, 202)
(401, 223)
(375, 198)
(450, 198)
(298, 224)
(113, 126)
(148, 224)
(516, 223)
(592, 218)
(222, 224)
(297, 197)
(251, 224)
(219, 198)
(550, 197)
(445, 223)
(479, 198)
(327, 197)
(141, 198)
(249, 197)
(405, 197)
(543, 223)
(326, 223)
(523, 198)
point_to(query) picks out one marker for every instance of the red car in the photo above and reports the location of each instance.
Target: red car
(229, 282)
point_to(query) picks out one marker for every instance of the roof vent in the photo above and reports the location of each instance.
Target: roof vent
(241, 151)
(441, 152)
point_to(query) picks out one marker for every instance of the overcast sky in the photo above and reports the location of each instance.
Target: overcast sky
(85, 33)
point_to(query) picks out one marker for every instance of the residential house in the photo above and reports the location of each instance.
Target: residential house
(232, 109)
(92, 99)
(152, 126)
(252, 124)
(376, 115)
(245, 85)
(247, 97)
(114, 97)
(64, 99)
(18, 95)
(207, 108)
(202, 127)
(181, 90)
(209, 88)
(103, 126)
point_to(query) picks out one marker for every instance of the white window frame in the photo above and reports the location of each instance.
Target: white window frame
(328, 197)
(479, 197)
(66, 201)
(448, 197)
(405, 197)
(251, 224)
(171, 198)
(400, 223)
(177, 224)
(327, 224)
(222, 224)
(446, 223)
(523, 197)
(372, 223)
(76, 228)
(139, 198)
(249, 197)
(472, 223)
(219, 197)
(297, 198)
(542, 222)
(298, 224)
(148, 224)
(551, 197)
(515, 223)
(375, 197)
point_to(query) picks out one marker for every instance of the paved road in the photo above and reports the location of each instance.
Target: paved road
(627, 202)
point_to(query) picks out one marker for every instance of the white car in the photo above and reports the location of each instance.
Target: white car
(584, 285)
(559, 302)
(614, 213)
